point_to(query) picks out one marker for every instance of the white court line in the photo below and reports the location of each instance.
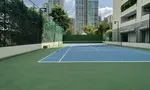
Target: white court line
(134, 50)
(96, 62)
(65, 54)
(95, 48)
(138, 51)
(49, 55)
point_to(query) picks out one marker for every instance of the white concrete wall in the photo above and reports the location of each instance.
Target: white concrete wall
(16, 50)
(137, 45)
(51, 44)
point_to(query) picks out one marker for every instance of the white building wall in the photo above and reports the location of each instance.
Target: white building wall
(134, 23)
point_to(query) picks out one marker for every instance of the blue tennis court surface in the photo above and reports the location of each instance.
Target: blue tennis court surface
(96, 53)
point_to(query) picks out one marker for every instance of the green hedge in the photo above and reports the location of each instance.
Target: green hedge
(128, 4)
(82, 38)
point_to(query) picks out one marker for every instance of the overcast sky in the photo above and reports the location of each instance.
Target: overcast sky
(105, 6)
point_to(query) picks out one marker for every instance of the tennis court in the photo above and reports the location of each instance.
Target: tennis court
(89, 52)
(24, 73)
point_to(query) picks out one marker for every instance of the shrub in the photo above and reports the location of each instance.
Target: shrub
(45, 47)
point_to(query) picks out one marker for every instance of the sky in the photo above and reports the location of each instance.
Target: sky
(105, 6)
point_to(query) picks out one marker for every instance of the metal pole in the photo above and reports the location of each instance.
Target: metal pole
(137, 35)
(129, 36)
(118, 30)
(54, 32)
(39, 40)
(4, 23)
(149, 25)
(120, 39)
(22, 40)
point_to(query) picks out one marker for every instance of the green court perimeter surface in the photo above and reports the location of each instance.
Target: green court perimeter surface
(24, 73)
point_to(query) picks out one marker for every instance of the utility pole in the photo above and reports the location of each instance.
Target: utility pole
(148, 9)
(149, 24)
(4, 41)
(22, 37)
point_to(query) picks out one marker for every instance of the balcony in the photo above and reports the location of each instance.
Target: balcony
(144, 2)
(129, 10)
(123, 1)
(128, 4)
(145, 17)
(133, 21)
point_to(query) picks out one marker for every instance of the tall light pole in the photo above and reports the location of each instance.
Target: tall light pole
(22, 36)
(119, 34)
(149, 24)
(148, 9)
(4, 41)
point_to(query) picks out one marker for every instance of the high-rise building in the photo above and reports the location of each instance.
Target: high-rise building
(50, 5)
(131, 21)
(86, 13)
(99, 18)
(110, 18)
(54, 2)
(46, 14)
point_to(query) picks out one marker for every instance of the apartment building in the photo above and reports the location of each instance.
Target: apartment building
(86, 13)
(51, 3)
(99, 18)
(131, 21)
(108, 19)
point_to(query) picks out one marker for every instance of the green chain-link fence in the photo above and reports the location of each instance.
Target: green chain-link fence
(52, 32)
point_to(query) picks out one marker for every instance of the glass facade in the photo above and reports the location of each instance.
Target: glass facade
(79, 14)
(92, 12)
(86, 13)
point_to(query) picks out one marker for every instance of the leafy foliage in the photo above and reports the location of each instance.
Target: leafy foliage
(108, 35)
(128, 4)
(60, 17)
(89, 30)
(18, 24)
(69, 31)
(102, 28)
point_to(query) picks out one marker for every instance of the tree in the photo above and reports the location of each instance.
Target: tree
(89, 30)
(69, 31)
(102, 28)
(60, 17)
(108, 35)
(23, 25)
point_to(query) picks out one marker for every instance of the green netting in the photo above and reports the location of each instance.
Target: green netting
(52, 32)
